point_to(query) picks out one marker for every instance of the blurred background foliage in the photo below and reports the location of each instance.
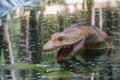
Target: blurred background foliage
(52, 23)
(41, 27)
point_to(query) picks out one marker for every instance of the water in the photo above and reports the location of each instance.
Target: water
(105, 66)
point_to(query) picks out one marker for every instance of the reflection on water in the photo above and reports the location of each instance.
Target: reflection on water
(100, 64)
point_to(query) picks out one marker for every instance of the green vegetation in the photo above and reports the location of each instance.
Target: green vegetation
(51, 24)
(15, 28)
(25, 66)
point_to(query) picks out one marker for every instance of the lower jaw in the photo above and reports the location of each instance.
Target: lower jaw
(64, 52)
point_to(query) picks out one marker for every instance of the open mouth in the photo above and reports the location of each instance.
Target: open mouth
(65, 50)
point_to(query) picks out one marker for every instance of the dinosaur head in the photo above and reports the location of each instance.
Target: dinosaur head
(67, 41)
(77, 36)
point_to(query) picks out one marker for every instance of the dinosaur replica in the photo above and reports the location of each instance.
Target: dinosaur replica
(79, 36)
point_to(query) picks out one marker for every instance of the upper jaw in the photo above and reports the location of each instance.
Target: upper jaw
(50, 46)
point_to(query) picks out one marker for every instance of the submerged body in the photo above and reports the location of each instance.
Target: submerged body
(77, 37)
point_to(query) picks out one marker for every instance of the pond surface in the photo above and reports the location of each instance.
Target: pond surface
(103, 66)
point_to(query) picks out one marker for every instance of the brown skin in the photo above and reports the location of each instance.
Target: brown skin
(77, 36)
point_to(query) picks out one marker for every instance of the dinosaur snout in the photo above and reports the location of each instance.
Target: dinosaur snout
(49, 46)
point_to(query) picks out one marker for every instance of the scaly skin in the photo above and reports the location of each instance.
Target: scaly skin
(77, 36)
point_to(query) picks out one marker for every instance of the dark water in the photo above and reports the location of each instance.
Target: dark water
(101, 64)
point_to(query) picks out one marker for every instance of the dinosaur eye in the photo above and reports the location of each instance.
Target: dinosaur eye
(60, 38)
